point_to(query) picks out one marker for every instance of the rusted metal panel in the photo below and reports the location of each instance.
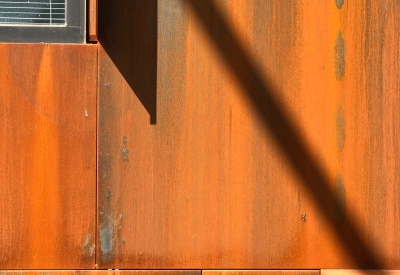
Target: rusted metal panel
(48, 163)
(100, 272)
(93, 21)
(260, 272)
(358, 272)
(157, 272)
(56, 272)
(274, 144)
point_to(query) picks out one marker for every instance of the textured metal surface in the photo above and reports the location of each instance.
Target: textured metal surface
(260, 272)
(100, 272)
(48, 156)
(93, 20)
(358, 272)
(56, 272)
(274, 143)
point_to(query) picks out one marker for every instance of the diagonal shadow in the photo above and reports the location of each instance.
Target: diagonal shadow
(291, 143)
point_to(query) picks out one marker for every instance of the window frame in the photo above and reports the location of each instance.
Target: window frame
(73, 32)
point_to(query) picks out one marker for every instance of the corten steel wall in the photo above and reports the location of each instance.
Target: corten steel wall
(48, 156)
(269, 141)
(231, 134)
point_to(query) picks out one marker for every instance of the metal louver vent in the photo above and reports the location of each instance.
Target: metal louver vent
(33, 12)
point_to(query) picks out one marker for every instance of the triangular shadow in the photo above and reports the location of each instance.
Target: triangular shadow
(128, 34)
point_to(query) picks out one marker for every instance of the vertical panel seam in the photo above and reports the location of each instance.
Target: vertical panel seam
(97, 99)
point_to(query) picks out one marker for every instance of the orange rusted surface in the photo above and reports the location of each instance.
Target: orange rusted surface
(358, 272)
(93, 20)
(260, 272)
(269, 142)
(48, 163)
(157, 272)
(56, 272)
(100, 272)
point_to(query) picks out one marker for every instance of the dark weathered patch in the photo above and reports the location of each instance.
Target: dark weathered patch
(106, 242)
(339, 199)
(340, 128)
(125, 149)
(339, 3)
(107, 230)
(88, 247)
(340, 63)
